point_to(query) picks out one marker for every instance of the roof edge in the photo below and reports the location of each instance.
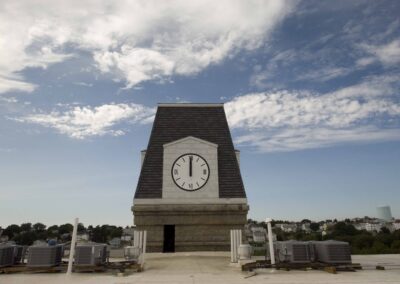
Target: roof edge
(190, 104)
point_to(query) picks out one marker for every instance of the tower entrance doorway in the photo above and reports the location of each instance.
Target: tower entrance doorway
(169, 238)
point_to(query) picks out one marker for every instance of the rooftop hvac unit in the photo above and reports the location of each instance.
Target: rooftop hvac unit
(19, 252)
(132, 253)
(333, 252)
(294, 252)
(90, 254)
(44, 256)
(6, 255)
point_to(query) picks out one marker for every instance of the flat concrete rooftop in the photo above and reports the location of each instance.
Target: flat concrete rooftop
(213, 267)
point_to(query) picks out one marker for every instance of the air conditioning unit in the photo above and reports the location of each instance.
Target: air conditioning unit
(90, 254)
(294, 252)
(132, 253)
(333, 252)
(19, 252)
(6, 255)
(44, 256)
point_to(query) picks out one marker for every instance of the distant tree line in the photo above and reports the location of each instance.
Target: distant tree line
(361, 241)
(26, 233)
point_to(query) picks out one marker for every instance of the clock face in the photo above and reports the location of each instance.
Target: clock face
(190, 172)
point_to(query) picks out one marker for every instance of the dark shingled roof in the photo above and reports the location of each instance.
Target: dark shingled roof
(173, 122)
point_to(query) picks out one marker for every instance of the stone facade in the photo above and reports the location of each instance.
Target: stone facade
(201, 227)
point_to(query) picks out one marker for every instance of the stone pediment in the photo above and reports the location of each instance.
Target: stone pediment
(189, 139)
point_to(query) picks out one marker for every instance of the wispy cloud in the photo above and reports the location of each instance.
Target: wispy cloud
(83, 84)
(290, 120)
(135, 41)
(9, 84)
(83, 122)
(387, 54)
(338, 50)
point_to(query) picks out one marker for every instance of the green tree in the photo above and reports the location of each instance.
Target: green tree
(53, 229)
(379, 247)
(396, 246)
(314, 226)
(385, 238)
(11, 231)
(343, 229)
(26, 227)
(363, 241)
(26, 238)
(81, 228)
(116, 232)
(39, 227)
(99, 234)
(65, 228)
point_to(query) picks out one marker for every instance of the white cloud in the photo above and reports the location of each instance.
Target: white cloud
(135, 40)
(325, 74)
(7, 84)
(82, 122)
(387, 54)
(83, 84)
(310, 138)
(284, 121)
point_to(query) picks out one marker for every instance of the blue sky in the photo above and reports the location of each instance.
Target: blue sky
(311, 91)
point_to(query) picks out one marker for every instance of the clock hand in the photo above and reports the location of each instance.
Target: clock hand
(190, 165)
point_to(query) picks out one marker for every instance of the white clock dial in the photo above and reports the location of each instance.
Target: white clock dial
(190, 172)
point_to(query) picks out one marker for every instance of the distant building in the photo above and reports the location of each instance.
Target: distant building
(259, 234)
(127, 234)
(115, 242)
(82, 237)
(126, 238)
(396, 225)
(370, 227)
(306, 227)
(3, 238)
(384, 213)
(40, 243)
(288, 228)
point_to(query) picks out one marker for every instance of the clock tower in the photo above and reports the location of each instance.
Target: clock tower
(190, 192)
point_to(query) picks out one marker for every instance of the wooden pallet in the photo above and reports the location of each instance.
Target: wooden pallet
(22, 268)
(120, 266)
(331, 268)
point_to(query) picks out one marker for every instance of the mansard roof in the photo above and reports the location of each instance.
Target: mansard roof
(178, 121)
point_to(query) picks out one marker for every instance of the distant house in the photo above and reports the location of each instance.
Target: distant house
(82, 237)
(306, 227)
(129, 231)
(396, 225)
(259, 234)
(126, 238)
(3, 238)
(370, 227)
(288, 228)
(127, 234)
(115, 242)
(39, 243)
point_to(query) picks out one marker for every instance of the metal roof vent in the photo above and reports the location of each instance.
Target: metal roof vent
(44, 256)
(90, 254)
(333, 252)
(294, 252)
(6, 255)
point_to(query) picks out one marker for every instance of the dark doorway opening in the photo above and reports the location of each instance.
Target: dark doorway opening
(169, 238)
